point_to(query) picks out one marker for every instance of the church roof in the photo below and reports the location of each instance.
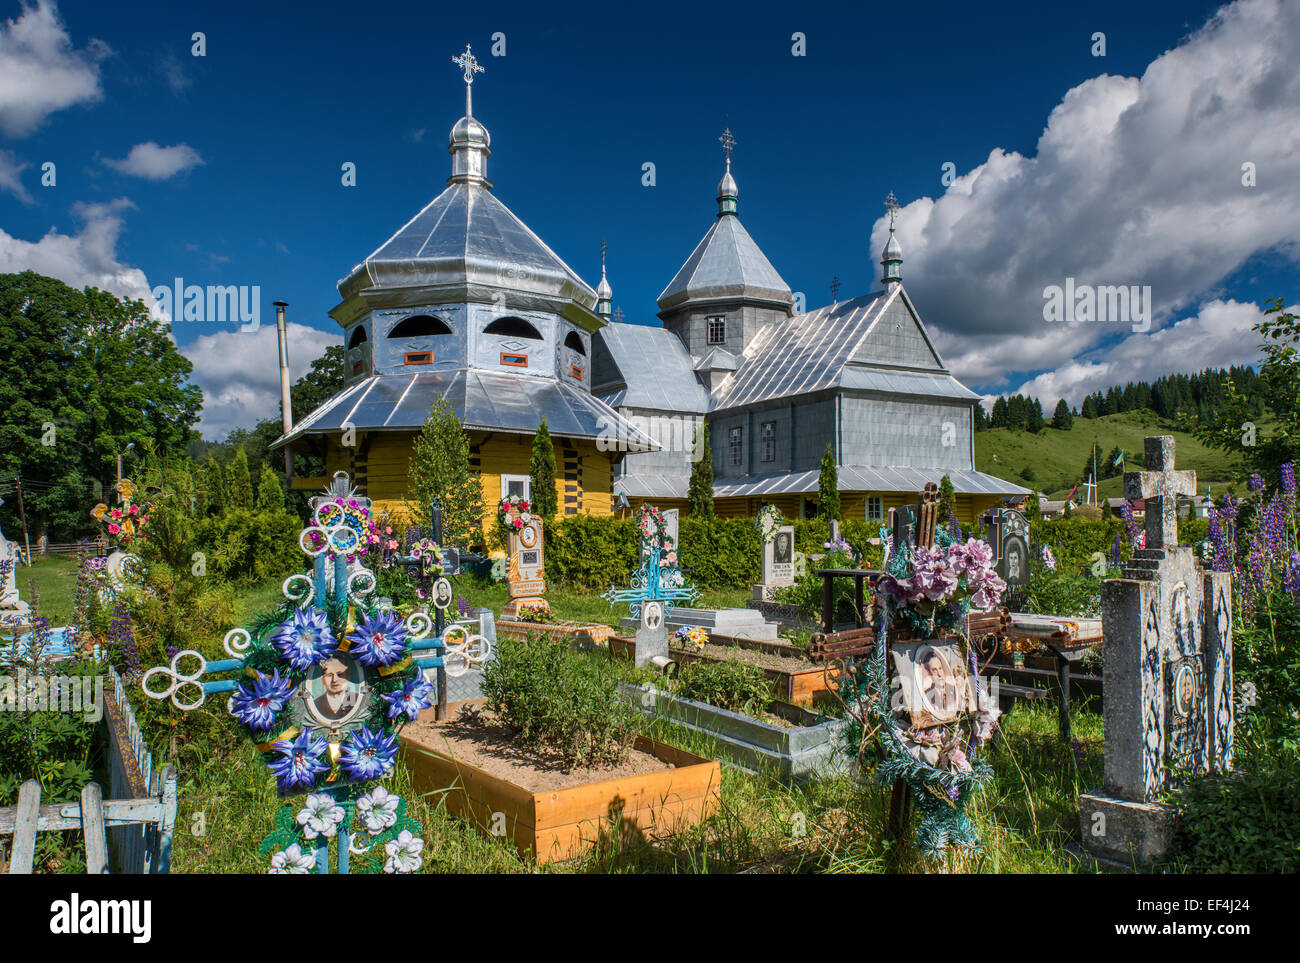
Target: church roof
(482, 400)
(718, 359)
(466, 235)
(726, 264)
(865, 478)
(812, 352)
(645, 366)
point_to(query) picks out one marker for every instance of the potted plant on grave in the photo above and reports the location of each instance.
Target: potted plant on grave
(919, 693)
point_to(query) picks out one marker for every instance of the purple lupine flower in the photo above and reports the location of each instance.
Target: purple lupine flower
(1273, 528)
(1255, 483)
(368, 755)
(1116, 552)
(1288, 478)
(121, 632)
(1219, 540)
(462, 606)
(1130, 523)
(1292, 580)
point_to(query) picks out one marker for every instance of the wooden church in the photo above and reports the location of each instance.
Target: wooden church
(465, 303)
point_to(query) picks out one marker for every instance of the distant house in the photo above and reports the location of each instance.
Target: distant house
(1195, 506)
(1055, 509)
(1117, 506)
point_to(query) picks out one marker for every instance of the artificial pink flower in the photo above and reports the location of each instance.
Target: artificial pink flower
(113, 529)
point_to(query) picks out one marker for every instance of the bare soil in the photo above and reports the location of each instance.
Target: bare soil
(487, 744)
(762, 659)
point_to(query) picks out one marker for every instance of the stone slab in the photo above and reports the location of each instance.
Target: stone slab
(1124, 831)
(735, 623)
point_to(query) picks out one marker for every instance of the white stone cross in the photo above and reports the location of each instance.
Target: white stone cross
(1159, 488)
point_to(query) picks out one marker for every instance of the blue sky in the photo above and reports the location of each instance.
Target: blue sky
(1139, 184)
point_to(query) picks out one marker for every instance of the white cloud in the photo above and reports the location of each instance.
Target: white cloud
(1218, 336)
(11, 169)
(1135, 181)
(239, 373)
(88, 257)
(155, 163)
(173, 72)
(41, 72)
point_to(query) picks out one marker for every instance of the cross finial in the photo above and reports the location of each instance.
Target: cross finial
(1159, 488)
(835, 288)
(728, 142)
(603, 249)
(618, 315)
(470, 66)
(891, 204)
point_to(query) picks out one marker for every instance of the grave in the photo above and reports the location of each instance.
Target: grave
(778, 562)
(1009, 539)
(654, 589)
(526, 574)
(1167, 674)
(13, 610)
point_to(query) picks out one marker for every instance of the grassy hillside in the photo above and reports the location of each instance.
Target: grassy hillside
(1058, 458)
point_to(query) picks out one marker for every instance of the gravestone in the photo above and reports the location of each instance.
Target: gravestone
(1167, 674)
(778, 563)
(655, 589)
(1009, 538)
(526, 571)
(13, 610)
(671, 525)
(903, 523)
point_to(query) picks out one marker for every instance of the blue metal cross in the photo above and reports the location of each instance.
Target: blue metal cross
(653, 582)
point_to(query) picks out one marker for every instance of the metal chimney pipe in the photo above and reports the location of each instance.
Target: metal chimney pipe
(286, 406)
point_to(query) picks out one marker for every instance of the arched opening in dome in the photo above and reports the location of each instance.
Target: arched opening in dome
(359, 337)
(512, 327)
(571, 340)
(420, 326)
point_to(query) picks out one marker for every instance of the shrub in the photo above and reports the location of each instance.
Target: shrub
(556, 699)
(1240, 822)
(806, 592)
(737, 686)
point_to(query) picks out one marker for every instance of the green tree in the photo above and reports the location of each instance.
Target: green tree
(699, 496)
(239, 484)
(439, 468)
(947, 500)
(1062, 420)
(541, 475)
(828, 487)
(83, 374)
(270, 495)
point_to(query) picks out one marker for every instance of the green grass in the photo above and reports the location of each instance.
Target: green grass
(583, 606)
(1058, 458)
(56, 578)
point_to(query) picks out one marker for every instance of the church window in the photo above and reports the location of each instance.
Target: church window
(516, 485)
(733, 444)
(514, 360)
(512, 327)
(575, 372)
(769, 441)
(358, 338)
(572, 341)
(420, 326)
(717, 330)
(875, 509)
(418, 357)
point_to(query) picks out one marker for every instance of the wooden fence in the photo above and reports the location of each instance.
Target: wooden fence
(132, 831)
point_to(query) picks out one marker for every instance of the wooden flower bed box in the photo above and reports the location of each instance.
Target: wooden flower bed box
(797, 680)
(809, 746)
(577, 633)
(560, 822)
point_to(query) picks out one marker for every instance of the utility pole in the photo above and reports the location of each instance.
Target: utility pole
(18, 483)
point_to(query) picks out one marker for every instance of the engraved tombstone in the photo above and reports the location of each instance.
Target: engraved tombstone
(526, 572)
(1167, 675)
(1009, 538)
(778, 558)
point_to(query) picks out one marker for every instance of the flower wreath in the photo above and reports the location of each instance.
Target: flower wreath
(126, 524)
(654, 534)
(513, 513)
(353, 515)
(377, 817)
(767, 521)
(942, 791)
(284, 646)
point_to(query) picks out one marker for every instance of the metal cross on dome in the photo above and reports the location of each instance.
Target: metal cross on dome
(891, 205)
(835, 288)
(469, 64)
(728, 142)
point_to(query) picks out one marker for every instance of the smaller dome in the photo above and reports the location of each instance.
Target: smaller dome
(603, 290)
(469, 131)
(893, 251)
(727, 186)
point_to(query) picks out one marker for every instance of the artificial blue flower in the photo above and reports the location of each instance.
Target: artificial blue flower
(305, 639)
(379, 639)
(257, 703)
(301, 762)
(368, 755)
(410, 699)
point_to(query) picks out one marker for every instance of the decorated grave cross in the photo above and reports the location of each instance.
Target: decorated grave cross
(1159, 488)
(655, 589)
(323, 683)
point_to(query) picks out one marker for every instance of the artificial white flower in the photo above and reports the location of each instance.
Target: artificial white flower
(321, 817)
(377, 810)
(292, 862)
(404, 853)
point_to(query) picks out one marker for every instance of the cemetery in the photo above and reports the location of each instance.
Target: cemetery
(508, 584)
